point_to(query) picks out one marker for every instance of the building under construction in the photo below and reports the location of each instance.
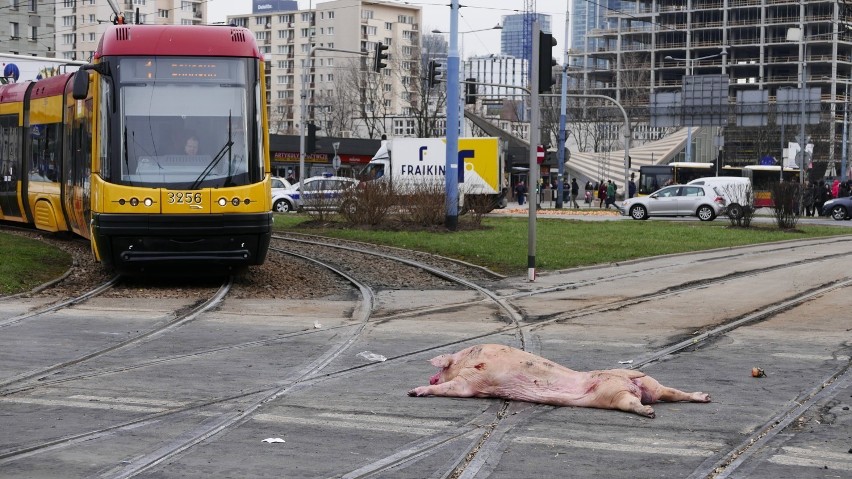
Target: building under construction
(648, 46)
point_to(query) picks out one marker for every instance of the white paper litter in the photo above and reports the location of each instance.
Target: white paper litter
(629, 361)
(317, 325)
(273, 439)
(372, 356)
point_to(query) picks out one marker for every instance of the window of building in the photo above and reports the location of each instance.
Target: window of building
(285, 18)
(68, 21)
(33, 6)
(331, 77)
(307, 17)
(68, 4)
(261, 35)
(15, 30)
(261, 20)
(163, 13)
(330, 45)
(239, 21)
(67, 38)
(33, 33)
(93, 36)
(92, 18)
(388, 26)
(386, 103)
(371, 30)
(330, 30)
(367, 14)
(330, 15)
(142, 2)
(386, 87)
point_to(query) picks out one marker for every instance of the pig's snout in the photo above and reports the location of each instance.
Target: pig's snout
(434, 379)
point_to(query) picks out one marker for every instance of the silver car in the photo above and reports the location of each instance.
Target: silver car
(703, 201)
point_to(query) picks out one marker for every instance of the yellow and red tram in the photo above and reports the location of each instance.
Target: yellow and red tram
(101, 152)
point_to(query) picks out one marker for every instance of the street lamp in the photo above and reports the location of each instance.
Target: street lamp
(461, 70)
(462, 34)
(690, 63)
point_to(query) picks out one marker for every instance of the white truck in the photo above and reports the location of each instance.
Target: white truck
(409, 164)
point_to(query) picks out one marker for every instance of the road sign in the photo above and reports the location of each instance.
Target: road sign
(335, 162)
(539, 155)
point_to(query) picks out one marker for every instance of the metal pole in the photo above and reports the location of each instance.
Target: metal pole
(802, 140)
(303, 120)
(451, 163)
(845, 129)
(535, 116)
(563, 110)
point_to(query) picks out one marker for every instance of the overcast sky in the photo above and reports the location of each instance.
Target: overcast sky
(473, 15)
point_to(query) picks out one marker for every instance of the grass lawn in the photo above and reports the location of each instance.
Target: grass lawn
(502, 244)
(28, 263)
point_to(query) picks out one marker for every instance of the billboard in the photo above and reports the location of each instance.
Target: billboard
(274, 6)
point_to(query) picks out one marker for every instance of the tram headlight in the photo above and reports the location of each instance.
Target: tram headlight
(223, 202)
(235, 201)
(148, 202)
(134, 201)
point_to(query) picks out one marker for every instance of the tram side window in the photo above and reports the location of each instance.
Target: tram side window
(45, 151)
(9, 147)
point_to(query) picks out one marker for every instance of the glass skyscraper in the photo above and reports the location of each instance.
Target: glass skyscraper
(512, 36)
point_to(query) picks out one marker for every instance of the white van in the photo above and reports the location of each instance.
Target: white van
(737, 191)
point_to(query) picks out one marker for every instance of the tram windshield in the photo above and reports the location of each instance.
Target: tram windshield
(185, 123)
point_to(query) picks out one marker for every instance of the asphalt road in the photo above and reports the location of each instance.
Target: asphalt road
(199, 400)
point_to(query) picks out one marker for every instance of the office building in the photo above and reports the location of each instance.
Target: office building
(80, 23)
(343, 95)
(649, 45)
(513, 38)
(28, 27)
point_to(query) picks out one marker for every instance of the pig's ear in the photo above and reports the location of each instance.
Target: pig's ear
(441, 361)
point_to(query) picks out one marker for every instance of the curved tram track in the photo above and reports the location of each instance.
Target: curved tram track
(496, 421)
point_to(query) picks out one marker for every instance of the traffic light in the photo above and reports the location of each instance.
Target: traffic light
(380, 57)
(470, 91)
(435, 74)
(546, 42)
(311, 140)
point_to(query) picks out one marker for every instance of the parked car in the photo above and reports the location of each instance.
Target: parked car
(737, 191)
(279, 184)
(320, 192)
(703, 201)
(838, 208)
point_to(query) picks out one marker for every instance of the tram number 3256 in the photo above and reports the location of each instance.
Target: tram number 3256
(184, 198)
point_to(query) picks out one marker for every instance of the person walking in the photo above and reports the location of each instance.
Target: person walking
(631, 187)
(575, 190)
(601, 193)
(610, 193)
(520, 192)
(590, 189)
(808, 199)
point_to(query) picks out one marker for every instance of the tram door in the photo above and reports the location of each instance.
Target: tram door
(10, 167)
(77, 164)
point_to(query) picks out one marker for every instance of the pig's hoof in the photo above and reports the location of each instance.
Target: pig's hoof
(412, 393)
(647, 411)
(700, 397)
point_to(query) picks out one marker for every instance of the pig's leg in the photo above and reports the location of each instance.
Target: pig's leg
(653, 391)
(455, 388)
(625, 401)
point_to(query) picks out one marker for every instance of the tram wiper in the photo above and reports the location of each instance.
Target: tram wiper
(211, 165)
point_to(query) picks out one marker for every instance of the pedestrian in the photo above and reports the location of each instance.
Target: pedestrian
(575, 190)
(820, 196)
(808, 199)
(610, 193)
(601, 193)
(566, 190)
(520, 192)
(631, 187)
(835, 188)
(590, 188)
(843, 191)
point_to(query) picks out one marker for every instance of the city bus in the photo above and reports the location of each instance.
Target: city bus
(763, 177)
(654, 177)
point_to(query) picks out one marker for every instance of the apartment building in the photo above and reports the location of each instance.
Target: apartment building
(27, 27)
(80, 23)
(649, 45)
(342, 93)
